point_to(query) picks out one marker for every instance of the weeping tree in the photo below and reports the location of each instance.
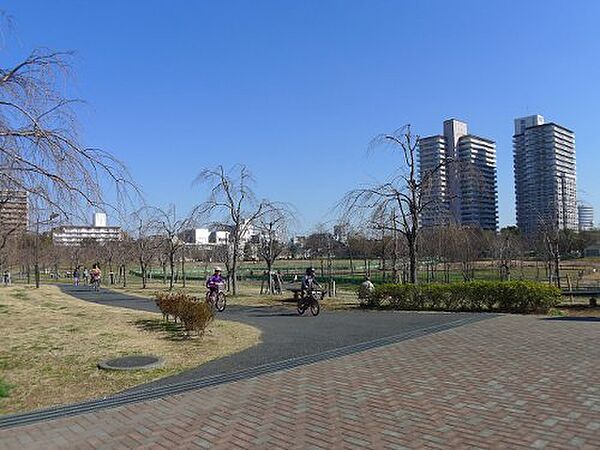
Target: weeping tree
(404, 197)
(232, 199)
(42, 154)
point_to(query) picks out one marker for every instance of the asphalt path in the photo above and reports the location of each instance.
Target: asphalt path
(285, 334)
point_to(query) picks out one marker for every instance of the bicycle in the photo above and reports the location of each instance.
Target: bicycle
(310, 301)
(95, 284)
(217, 298)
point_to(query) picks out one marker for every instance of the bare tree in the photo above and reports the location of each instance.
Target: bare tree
(273, 228)
(507, 246)
(232, 198)
(407, 193)
(147, 242)
(171, 228)
(41, 152)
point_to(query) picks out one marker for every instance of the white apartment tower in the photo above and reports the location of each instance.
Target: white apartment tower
(460, 169)
(545, 175)
(585, 212)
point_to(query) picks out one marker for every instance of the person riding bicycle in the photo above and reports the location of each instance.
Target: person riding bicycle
(215, 281)
(95, 274)
(309, 281)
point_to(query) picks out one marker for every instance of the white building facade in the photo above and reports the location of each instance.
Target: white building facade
(74, 235)
(586, 216)
(545, 175)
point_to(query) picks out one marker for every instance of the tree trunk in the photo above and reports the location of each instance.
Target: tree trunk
(269, 277)
(183, 267)
(234, 262)
(412, 260)
(143, 273)
(172, 269)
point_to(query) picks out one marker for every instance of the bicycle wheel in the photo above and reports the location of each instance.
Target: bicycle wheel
(301, 307)
(209, 299)
(315, 308)
(220, 302)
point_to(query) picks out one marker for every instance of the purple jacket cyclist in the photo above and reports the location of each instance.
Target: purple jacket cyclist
(215, 280)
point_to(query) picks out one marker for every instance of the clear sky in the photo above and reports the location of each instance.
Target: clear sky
(295, 90)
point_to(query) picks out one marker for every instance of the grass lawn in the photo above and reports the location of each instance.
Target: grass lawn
(52, 342)
(248, 294)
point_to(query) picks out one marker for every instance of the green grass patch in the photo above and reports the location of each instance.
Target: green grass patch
(4, 388)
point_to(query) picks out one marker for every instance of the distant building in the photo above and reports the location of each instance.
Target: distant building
(586, 216)
(459, 172)
(218, 237)
(545, 175)
(196, 236)
(477, 188)
(14, 211)
(340, 233)
(74, 235)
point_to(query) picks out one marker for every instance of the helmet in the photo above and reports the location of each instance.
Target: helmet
(218, 269)
(310, 271)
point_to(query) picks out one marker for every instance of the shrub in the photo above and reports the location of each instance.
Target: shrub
(494, 296)
(194, 314)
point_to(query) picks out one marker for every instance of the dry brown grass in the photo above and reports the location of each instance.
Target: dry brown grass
(249, 295)
(51, 343)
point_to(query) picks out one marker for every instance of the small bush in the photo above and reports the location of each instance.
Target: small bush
(194, 314)
(493, 296)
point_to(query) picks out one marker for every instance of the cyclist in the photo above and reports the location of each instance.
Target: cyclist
(95, 275)
(309, 281)
(215, 281)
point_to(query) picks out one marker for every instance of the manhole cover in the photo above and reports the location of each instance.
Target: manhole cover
(137, 362)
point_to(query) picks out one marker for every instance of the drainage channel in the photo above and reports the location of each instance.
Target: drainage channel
(173, 389)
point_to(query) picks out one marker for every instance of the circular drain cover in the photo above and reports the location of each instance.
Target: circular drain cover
(136, 362)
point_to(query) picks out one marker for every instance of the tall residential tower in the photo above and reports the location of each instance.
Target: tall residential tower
(545, 176)
(461, 173)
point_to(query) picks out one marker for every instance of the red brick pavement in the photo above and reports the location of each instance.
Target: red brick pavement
(510, 382)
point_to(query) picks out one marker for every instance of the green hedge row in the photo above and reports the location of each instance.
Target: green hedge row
(495, 296)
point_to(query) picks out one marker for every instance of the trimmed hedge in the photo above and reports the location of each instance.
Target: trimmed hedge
(493, 296)
(195, 315)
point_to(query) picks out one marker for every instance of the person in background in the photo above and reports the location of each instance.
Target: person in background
(76, 276)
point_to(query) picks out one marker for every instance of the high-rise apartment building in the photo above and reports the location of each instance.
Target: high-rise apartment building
(478, 195)
(461, 173)
(586, 216)
(13, 211)
(545, 175)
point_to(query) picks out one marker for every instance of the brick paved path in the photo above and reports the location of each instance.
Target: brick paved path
(508, 382)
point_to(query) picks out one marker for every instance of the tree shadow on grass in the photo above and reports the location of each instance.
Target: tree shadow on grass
(172, 331)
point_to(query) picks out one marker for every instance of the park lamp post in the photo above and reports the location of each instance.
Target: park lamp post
(36, 246)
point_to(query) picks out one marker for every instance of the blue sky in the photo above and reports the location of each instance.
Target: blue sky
(295, 90)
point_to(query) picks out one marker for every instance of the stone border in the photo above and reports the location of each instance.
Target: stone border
(109, 364)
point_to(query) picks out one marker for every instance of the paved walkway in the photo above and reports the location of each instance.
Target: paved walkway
(285, 334)
(508, 382)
